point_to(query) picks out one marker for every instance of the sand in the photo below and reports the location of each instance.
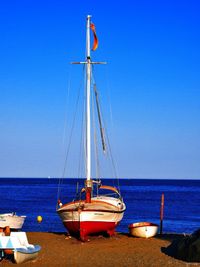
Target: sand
(120, 250)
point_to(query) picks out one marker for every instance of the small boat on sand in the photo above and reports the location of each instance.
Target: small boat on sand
(12, 220)
(143, 229)
(22, 255)
(16, 244)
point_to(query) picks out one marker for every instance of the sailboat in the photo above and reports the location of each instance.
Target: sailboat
(96, 213)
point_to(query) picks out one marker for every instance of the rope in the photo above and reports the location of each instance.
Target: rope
(69, 143)
(95, 141)
(110, 155)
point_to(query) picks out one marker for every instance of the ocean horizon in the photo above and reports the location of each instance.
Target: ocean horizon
(109, 178)
(38, 196)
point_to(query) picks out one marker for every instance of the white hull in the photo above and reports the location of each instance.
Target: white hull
(143, 229)
(11, 220)
(91, 216)
(22, 255)
(101, 209)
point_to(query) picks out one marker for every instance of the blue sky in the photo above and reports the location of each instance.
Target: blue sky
(153, 70)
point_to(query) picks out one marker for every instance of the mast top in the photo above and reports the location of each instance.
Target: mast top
(88, 58)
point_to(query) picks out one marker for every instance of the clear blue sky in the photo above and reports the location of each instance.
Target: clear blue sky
(153, 51)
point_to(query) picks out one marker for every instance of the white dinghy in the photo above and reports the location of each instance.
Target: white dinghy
(143, 229)
(12, 220)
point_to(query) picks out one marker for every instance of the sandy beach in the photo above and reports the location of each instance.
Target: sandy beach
(120, 250)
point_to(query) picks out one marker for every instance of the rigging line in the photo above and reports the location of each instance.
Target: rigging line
(111, 120)
(100, 121)
(95, 140)
(98, 173)
(114, 164)
(65, 126)
(81, 142)
(99, 116)
(111, 156)
(70, 138)
(66, 102)
(79, 163)
(98, 168)
(109, 97)
(110, 151)
(72, 129)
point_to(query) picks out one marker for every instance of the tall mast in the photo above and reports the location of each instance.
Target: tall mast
(88, 116)
(88, 62)
(88, 84)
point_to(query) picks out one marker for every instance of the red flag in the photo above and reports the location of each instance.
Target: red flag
(95, 44)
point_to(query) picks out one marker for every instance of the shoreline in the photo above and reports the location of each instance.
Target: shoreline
(119, 250)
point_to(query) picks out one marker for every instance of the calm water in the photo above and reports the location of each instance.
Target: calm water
(33, 197)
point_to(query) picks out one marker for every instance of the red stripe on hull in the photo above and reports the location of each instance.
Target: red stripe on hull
(84, 229)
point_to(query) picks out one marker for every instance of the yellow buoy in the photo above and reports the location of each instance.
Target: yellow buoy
(39, 219)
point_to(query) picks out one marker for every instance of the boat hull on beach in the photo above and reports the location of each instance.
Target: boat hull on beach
(143, 229)
(22, 255)
(12, 220)
(16, 244)
(102, 215)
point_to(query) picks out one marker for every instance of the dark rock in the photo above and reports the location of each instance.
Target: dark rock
(186, 248)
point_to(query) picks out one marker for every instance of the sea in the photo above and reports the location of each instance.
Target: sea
(38, 196)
